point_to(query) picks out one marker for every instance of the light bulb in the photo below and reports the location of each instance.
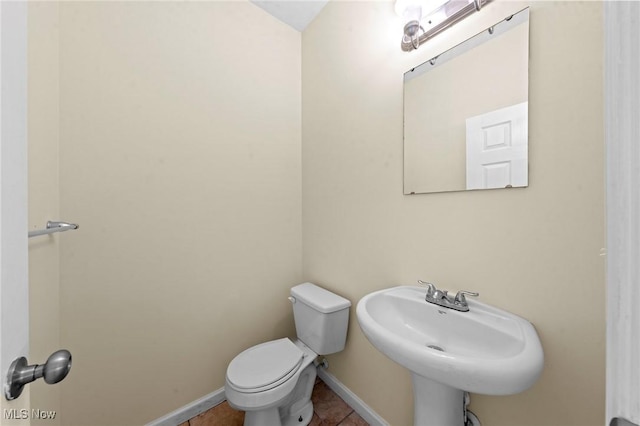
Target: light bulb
(411, 10)
(430, 6)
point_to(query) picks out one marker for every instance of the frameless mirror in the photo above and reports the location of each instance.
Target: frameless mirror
(466, 113)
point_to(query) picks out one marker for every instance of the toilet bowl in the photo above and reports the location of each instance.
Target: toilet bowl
(273, 381)
(261, 381)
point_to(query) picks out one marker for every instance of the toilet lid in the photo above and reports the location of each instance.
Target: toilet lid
(264, 366)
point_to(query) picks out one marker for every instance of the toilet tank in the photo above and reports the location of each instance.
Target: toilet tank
(321, 318)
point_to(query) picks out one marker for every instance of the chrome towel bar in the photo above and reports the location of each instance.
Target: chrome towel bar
(53, 227)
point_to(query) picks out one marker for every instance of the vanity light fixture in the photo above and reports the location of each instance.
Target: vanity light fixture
(426, 18)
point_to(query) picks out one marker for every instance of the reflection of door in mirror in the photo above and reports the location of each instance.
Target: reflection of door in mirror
(497, 148)
(485, 74)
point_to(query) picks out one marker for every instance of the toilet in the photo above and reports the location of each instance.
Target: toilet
(272, 381)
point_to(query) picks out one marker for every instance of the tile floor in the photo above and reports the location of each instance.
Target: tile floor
(328, 410)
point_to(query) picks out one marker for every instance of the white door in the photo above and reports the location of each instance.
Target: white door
(622, 109)
(497, 148)
(14, 290)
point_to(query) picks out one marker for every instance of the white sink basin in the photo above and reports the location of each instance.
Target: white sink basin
(485, 350)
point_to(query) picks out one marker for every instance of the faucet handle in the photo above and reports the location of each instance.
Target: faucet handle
(431, 288)
(461, 299)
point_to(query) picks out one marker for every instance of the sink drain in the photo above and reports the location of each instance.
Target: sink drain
(436, 347)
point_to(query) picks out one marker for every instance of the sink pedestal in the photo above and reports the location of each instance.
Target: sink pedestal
(436, 404)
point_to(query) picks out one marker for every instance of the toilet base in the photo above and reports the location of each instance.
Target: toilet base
(299, 409)
(269, 416)
(296, 410)
(300, 417)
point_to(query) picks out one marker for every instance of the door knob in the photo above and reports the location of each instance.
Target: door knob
(54, 370)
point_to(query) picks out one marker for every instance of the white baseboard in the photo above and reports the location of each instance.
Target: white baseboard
(190, 410)
(352, 399)
(203, 404)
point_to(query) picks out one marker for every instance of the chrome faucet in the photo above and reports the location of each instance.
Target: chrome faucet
(441, 297)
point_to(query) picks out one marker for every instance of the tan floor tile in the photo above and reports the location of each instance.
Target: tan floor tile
(354, 420)
(184, 424)
(329, 410)
(315, 420)
(328, 405)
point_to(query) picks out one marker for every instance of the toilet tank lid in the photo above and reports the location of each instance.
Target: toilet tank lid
(318, 298)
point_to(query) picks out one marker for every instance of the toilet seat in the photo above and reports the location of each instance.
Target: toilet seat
(264, 366)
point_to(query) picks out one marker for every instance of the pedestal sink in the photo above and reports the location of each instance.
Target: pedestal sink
(485, 350)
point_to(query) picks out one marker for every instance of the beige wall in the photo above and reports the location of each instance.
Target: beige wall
(44, 259)
(180, 158)
(533, 251)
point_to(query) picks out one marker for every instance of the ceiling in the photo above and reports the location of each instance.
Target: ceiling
(295, 13)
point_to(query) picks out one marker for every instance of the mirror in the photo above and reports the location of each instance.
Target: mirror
(466, 113)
